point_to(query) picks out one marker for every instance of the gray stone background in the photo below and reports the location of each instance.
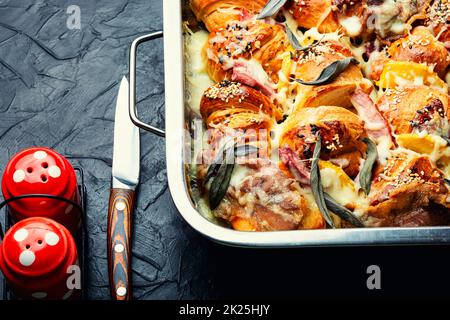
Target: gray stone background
(58, 89)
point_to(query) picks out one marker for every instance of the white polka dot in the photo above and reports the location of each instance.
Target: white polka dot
(54, 171)
(119, 248)
(39, 155)
(19, 176)
(67, 295)
(27, 258)
(20, 235)
(51, 238)
(39, 295)
(121, 291)
(120, 206)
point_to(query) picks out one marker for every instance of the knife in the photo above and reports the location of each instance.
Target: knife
(125, 179)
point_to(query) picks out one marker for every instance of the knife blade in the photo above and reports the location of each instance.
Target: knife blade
(125, 179)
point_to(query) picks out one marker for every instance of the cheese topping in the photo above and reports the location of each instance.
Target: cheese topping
(389, 19)
(197, 79)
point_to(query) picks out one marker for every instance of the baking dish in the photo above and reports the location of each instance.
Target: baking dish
(177, 140)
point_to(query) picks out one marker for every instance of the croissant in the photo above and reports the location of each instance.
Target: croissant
(421, 47)
(310, 65)
(330, 15)
(438, 15)
(315, 13)
(409, 191)
(216, 13)
(415, 109)
(341, 131)
(241, 41)
(231, 106)
(263, 181)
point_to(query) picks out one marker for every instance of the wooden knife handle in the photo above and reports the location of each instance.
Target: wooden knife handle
(121, 207)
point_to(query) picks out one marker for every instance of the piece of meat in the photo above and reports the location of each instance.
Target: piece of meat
(265, 199)
(417, 217)
(296, 166)
(376, 125)
(252, 74)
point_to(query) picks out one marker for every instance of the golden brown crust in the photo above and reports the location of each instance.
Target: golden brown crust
(406, 183)
(315, 13)
(421, 47)
(327, 14)
(341, 130)
(438, 15)
(215, 14)
(339, 91)
(415, 108)
(224, 102)
(252, 39)
(234, 109)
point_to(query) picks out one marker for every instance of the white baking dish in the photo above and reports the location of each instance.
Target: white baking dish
(176, 167)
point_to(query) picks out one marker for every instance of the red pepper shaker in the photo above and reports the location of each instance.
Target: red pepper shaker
(41, 170)
(38, 257)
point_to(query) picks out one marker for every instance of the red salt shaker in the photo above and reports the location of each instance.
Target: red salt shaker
(38, 258)
(40, 170)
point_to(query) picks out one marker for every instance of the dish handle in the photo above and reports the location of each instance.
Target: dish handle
(132, 96)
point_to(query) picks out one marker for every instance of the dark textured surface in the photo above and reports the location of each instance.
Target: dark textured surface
(58, 89)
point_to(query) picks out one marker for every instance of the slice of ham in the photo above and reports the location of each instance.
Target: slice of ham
(376, 125)
(296, 166)
(251, 73)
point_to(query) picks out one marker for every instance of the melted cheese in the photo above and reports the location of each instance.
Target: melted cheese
(313, 34)
(345, 194)
(352, 25)
(239, 173)
(390, 17)
(292, 23)
(197, 79)
(333, 185)
(383, 148)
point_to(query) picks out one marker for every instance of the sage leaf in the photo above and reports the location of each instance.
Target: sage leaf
(342, 212)
(218, 160)
(330, 72)
(316, 184)
(212, 171)
(271, 8)
(221, 181)
(293, 39)
(221, 171)
(365, 176)
(245, 150)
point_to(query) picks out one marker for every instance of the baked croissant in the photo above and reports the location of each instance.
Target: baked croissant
(311, 63)
(231, 106)
(438, 17)
(341, 131)
(246, 51)
(409, 191)
(415, 109)
(330, 15)
(419, 47)
(315, 13)
(215, 14)
(265, 199)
